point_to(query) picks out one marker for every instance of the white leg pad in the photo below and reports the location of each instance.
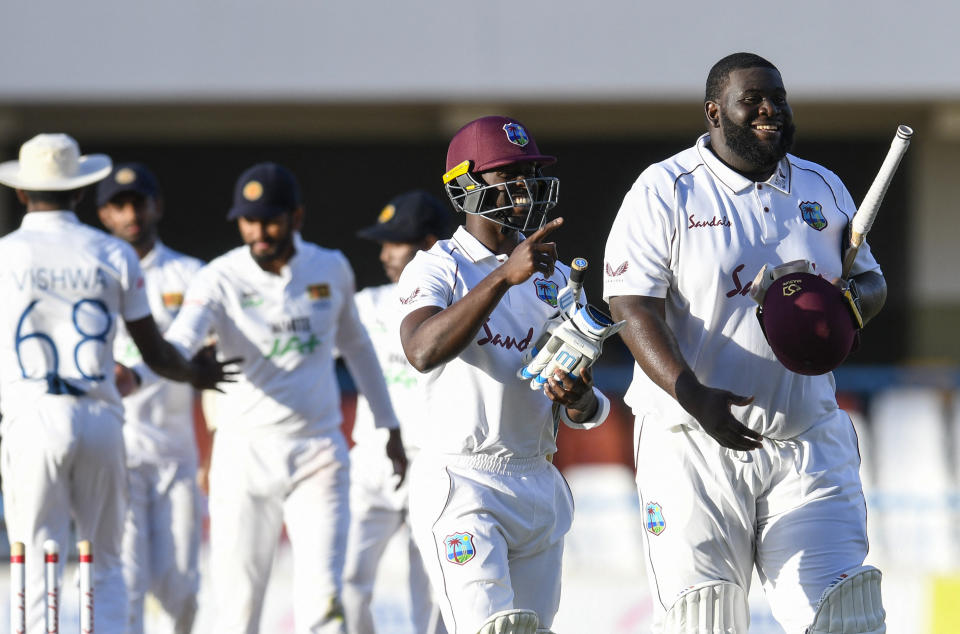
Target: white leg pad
(851, 605)
(544, 631)
(511, 622)
(712, 607)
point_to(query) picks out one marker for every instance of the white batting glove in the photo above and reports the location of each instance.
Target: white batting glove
(573, 344)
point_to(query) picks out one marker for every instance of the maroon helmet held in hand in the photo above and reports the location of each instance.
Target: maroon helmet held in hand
(808, 323)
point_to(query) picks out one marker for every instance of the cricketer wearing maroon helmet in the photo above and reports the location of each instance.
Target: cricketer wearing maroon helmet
(741, 462)
(489, 511)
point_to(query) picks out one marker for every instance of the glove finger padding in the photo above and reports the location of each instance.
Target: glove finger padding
(574, 344)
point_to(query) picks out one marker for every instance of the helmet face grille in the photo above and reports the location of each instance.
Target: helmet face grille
(503, 203)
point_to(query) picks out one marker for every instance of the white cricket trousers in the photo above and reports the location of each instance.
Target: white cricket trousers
(66, 459)
(491, 535)
(794, 508)
(260, 480)
(161, 542)
(378, 510)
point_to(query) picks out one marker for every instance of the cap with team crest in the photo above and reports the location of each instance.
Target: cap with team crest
(494, 141)
(127, 177)
(410, 217)
(264, 191)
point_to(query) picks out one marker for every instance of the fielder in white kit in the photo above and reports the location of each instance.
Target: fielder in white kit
(65, 287)
(410, 222)
(740, 462)
(161, 540)
(489, 510)
(279, 456)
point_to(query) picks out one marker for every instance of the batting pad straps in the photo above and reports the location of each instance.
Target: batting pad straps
(511, 622)
(712, 606)
(851, 604)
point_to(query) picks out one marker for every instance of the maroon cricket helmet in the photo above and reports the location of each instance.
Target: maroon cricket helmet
(494, 141)
(808, 323)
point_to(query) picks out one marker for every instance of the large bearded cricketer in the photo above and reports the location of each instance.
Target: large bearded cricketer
(740, 461)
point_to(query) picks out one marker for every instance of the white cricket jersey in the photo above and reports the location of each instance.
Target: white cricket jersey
(159, 416)
(285, 327)
(696, 232)
(380, 314)
(64, 285)
(475, 403)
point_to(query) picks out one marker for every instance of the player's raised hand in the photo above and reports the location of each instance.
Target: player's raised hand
(208, 371)
(533, 255)
(713, 413)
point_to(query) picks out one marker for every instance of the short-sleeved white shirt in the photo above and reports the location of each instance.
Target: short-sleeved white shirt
(696, 232)
(380, 314)
(475, 403)
(285, 327)
(158, 418)
(64, 285)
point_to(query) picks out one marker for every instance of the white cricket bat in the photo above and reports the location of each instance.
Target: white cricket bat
(867, 213)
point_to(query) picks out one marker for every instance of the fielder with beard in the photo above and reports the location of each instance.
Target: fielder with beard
(740, 462)
(279, 457)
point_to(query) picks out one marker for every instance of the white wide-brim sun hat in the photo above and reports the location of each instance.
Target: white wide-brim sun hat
(52, 162)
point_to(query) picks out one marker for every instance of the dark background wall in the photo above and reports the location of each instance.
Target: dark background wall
(346, 184)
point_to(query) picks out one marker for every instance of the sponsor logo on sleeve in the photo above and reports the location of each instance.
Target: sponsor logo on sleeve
(459, 547)
(412, 296)
(616, 272)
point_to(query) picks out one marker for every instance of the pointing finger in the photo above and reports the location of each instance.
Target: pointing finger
(545, 230)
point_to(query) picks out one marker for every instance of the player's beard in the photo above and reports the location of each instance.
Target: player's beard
(282, 249)
(743, 141)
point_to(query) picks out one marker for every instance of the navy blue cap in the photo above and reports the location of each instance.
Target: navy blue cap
(127, 177)
(410, 217)
(264, 191)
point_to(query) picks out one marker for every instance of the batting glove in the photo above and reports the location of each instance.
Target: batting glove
(570, 344)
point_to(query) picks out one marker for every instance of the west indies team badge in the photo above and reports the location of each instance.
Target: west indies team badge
(516, 134)
(812, 214)
(318, 291)
(547, 291)
(460, 548)
(655, 522)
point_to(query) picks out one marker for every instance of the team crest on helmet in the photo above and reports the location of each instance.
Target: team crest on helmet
(655, 522)
(460, 548)
(516, 134)
(812, 214)
(547, 291)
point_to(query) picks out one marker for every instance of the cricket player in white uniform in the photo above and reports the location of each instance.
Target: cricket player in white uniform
(65, 287)
(161, 540)
(740, 462)
(488, 508)
(411, 222)
(279, 456)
